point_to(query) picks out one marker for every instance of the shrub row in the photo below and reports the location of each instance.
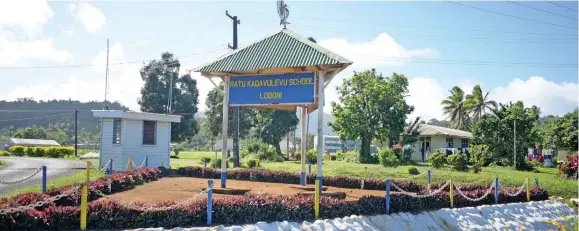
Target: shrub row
(106, 214)
(116, 182)
(294, 178)
(49, 151)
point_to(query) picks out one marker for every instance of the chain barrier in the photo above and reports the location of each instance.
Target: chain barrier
(424, 195)
(411, 176)
(40, 203)
(23, 179)
(489, 191)
(521, 189)
(132, 206)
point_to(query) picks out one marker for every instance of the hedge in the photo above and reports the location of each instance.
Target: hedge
(294, 178)
(119, 182)
(107, 214)
(48, 151)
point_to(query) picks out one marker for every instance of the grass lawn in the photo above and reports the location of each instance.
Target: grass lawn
(508, 177)
(2, 163)
(58, 182)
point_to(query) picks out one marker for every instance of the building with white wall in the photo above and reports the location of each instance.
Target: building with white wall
(137, 135)
(434, 138)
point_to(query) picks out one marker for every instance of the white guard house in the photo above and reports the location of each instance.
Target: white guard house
(137, 135)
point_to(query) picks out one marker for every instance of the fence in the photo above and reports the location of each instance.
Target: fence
(454, 187)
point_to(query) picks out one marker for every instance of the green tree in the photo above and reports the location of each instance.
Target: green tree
(272, 125)
(32, 132)
(157, 75)
(214, 113)
(477, 104)
(497, 132)
(563, 131)
(411, 132)
(372, 107)
(454, 106)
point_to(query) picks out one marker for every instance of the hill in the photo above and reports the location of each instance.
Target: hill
(26, 112)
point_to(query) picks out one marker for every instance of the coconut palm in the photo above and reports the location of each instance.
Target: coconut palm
(454, 106)
(477, 104)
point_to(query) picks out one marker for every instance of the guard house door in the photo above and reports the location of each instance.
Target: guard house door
(424, 147)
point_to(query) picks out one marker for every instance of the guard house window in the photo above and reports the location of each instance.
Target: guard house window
(116, 131)
(149, 132)
(450, 142)
(464, 143)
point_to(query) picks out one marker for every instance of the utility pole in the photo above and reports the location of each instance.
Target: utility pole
(235, 109)
(515, 144)
(170, 99)
(107, 78)
(75, 132)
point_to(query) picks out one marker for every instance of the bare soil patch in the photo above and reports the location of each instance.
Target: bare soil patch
(183, 188)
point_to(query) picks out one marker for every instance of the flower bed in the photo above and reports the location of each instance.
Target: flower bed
(294, 178)
(106, 214)
(120, 181)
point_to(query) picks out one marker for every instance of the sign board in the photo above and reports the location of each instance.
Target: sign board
(295, 88)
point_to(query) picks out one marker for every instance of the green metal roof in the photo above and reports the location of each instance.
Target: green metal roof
(282, 49)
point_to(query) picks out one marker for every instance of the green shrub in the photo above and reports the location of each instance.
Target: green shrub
(4, 153)
(340, 154)
(17, 150)
(230, 159)
(205, 160)
(40, 152)
(30, 151)
(351, 156)
(333, 157)
(388, 158)
(216, 163)
(406, 155)
(413, 170)
(254, 147)
(437, 159)
(278, 158)
(267, 153)
(312, 156)
(243, 153)
(253, 163)
(458, 162)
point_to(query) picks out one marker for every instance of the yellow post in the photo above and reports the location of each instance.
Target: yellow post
(451, 194)
(84, 198)
(528, 191)
(317, 200)
(130, 164)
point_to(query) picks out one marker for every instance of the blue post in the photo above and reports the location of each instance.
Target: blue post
(429, 176)
(319, 178)
(223, 179)
(146, 161)
(209, 201)
(303, 178)
(496, 190)
(111, 167)
(536, 182)
(388, 196)
(205, 163)
(309, 168)
(43, 178)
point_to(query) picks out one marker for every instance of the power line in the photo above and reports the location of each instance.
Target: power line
(430, 27)
(469, 62)
(93, 65)
(548, 12)
(512, 16)
(561, 6)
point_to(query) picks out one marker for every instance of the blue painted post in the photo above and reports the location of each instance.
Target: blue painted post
(111, 167)
(496, 190)
(429, 176)
(388, 196)
(209, 201)
(43, 178)
(303, 178)
(146, 161)
(205, 163)
(319, 178)
(223, 179)
(309, 168)
(536, 182)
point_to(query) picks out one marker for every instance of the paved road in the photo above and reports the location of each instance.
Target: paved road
(55, 168)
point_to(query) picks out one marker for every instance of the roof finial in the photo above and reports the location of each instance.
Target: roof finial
(283, 13)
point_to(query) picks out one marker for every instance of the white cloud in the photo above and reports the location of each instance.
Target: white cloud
(12, 51)
(28, 16)
(89, 16)
(552, 98)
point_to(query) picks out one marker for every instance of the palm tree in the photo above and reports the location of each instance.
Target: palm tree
(455, 107)
(477, 104)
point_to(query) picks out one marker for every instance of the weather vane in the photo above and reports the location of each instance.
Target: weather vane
(283, 13)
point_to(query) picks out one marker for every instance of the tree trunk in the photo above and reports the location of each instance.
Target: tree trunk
(235, 128)
(278, 149)
(287, 146)
(365, 155)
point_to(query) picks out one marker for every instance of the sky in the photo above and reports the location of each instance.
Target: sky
(516, 50)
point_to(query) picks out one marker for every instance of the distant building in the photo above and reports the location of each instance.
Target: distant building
(444, 139)
(137, 135)
(334, 143)
(31, 142)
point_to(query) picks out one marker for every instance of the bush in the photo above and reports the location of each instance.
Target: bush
(254, 147)
(243, 153)
(267, 153)
(4, 153)
(253, 163)
(278, 158)
(17, 150)
(568, 167)
(458, 162)
(406, 155)
(312, 156)
(30, 151)
(230, 159)
(333, 157)
(205, 160)
(437, 159)
(216, 163)
(413, 170)
(388, 158)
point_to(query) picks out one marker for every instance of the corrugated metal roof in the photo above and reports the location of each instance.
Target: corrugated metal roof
(33, 142)
(431, 130)
(282, 49)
